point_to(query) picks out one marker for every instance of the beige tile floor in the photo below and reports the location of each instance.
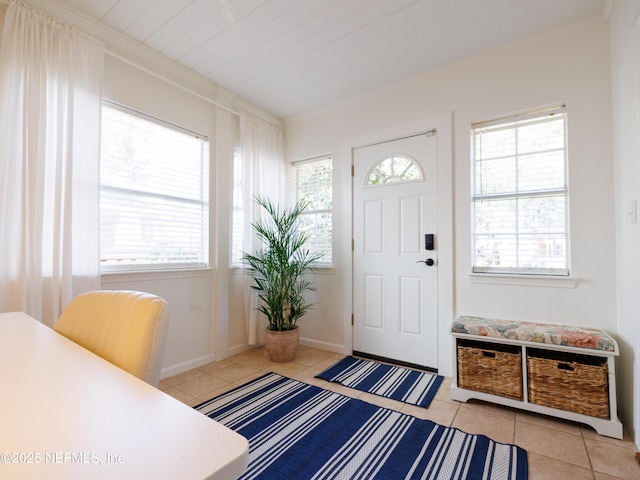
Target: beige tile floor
(557, 450)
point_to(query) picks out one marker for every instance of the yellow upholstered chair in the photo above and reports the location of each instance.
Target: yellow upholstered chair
(126, 328)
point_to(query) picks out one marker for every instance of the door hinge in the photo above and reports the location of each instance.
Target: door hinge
(352, 320)
(353, 244)
(353, 170)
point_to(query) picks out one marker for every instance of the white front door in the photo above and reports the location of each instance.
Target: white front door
(395, 277)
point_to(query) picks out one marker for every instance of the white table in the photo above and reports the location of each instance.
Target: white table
(66, 413)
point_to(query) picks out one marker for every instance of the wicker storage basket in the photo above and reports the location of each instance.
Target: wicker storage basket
(567, 381)
(490, 368)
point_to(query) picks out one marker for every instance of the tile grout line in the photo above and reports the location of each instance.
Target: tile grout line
(586, 449)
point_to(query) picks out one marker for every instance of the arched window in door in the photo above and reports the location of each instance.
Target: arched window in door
(394, 169)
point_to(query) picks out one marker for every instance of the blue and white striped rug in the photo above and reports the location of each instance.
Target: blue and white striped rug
(298, 431)
(402, 384)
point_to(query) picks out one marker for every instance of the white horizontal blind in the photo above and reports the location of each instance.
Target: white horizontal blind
(520, 195)
(313, 182)
(154, 206)
(238, 220)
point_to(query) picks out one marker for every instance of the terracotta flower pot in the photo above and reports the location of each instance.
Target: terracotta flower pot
(281, 346)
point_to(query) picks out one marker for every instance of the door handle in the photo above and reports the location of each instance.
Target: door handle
(428, 262)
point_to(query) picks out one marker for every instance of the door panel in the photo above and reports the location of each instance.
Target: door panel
(394, 207)
(374, 291)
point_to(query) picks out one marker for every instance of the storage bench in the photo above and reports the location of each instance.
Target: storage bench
(559, 370)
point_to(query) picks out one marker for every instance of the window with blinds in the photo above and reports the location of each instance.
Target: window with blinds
(154, 207)
(238, 220)
(520, 195)
(312, 182)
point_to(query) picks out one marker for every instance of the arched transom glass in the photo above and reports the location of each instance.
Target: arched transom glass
(395, 169)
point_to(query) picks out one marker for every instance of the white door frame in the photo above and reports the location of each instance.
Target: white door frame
(445, 218)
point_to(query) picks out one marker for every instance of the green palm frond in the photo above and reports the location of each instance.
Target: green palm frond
(279, 268)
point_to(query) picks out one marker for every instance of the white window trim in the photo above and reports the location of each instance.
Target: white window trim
(530, 277)
(321, 266)
(115, 277)
(175, 268)
(401, 180)
(532, 280)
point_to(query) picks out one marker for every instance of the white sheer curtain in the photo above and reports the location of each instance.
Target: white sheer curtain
(50, 100)
(264, 174)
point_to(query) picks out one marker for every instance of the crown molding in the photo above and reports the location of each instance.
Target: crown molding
(150, 61)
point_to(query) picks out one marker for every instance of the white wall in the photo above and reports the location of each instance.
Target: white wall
(200, 328)
(204, 324)
(193, 306)
(570, 66)
(191, 297)
(625, 67)
(192, 319)
(199, 302)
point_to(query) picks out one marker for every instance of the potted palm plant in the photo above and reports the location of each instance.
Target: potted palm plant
(279, 272)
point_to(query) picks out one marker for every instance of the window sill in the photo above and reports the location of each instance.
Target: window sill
(144, 275)
(524, 280)
(324, 269)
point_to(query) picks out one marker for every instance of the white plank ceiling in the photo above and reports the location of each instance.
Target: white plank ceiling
(293, 56)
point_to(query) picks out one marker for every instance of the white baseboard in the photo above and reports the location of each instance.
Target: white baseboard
(307, 342)
(200, 361)
(172, 370)
(240, 349)
(329, 347)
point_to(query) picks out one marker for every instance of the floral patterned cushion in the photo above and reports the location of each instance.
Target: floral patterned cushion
(566, 335)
